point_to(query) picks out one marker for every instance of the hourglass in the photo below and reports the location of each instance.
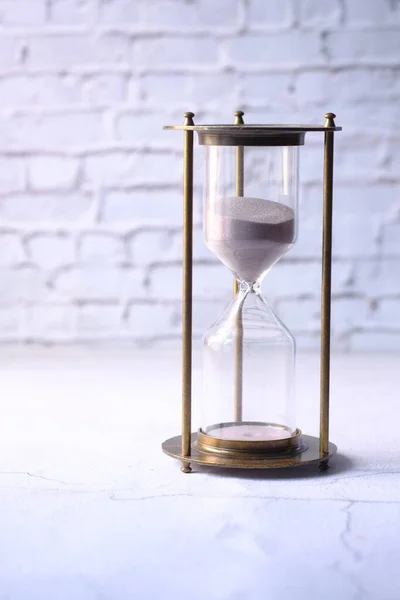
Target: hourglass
(250, 223)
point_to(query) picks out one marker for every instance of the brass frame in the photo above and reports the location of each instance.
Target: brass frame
(187, 448)
(241, 460)
(187, 292)
(239, 190)
(326, 285)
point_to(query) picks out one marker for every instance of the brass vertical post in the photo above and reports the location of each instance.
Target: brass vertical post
(326, 287)
(187, 285)
(239, 191)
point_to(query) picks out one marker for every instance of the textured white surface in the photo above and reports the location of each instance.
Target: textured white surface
(90, 201)
(91, 509)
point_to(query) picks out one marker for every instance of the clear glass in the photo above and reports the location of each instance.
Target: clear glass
(250, 222)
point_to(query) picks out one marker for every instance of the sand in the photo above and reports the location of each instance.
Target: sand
(249, 235)
(249, 432)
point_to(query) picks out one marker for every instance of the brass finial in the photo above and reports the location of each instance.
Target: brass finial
(188, 118)
(329, 120)
(239, 117)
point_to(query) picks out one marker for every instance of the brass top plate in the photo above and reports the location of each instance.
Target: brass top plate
(253, 129)
(252, 135)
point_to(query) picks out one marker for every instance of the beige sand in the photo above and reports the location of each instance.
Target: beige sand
(249, 235)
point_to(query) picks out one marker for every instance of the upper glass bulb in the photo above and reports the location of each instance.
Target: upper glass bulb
(250, 232)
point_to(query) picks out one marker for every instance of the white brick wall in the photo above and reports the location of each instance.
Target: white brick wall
(90, 204)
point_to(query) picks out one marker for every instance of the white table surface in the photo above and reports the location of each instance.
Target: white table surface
(90, 508)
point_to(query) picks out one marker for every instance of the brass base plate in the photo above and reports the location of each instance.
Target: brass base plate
(310, 456)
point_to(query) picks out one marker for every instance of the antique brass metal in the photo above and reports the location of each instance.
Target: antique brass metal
(326, 284)
(252, 135)
(187, 269)
(239, 190)
(210, 443)
(273, 460)
(196, 448)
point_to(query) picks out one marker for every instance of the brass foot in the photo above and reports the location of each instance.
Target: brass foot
(324, 465)
(186, 468)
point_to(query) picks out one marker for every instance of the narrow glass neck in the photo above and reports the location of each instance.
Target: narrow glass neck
(247, 288)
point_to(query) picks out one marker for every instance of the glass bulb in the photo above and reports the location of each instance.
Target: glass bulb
(250, 216)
